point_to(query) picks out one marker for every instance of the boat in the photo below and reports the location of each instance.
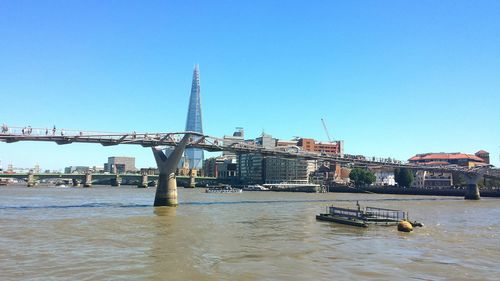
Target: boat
(60, 184)
(293, 187)
(255, 187)
(363, 217)
(4, 181)
(223, 189)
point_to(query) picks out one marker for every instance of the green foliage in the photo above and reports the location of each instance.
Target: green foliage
(458, 179)
(362, 177)
(492, 182)
(403, 177)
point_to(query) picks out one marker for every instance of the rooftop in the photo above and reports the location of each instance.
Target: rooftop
(445, 156)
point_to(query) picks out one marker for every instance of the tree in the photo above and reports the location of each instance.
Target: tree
(458, 179)
(403, 177)
(492, 182)
(361, 177)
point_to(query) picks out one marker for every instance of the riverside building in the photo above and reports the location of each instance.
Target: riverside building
(384, 176)
(76, 169)
(331, 148)
(120, 165)
(255, 168)
(222, 167)
(238, 136)
(456, 158)
(431, 179)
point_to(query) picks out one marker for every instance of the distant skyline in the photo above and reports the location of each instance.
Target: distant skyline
(390, 78)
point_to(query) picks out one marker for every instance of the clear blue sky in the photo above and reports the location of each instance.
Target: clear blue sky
(391, 78)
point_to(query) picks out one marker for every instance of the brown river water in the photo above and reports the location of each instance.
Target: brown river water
(110, 233)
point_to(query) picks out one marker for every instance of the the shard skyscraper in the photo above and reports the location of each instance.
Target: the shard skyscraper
(194, 156)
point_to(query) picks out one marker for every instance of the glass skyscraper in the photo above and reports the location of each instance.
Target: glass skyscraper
(194, 156)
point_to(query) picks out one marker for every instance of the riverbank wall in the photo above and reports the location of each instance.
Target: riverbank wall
(410, 191)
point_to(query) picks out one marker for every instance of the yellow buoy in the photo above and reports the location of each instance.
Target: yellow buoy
(405, 226)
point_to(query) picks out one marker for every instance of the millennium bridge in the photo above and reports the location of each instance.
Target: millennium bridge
(166, 192)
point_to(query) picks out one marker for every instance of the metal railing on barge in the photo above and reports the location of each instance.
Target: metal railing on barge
(373, 214)
(370, 215)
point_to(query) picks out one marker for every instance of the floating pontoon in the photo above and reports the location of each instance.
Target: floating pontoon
(363, 217)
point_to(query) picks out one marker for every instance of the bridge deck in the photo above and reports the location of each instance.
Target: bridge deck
(209, 143)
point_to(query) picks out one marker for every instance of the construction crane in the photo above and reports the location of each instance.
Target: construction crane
(326, 130)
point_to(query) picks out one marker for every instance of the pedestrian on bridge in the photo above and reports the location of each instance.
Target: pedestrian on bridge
(54, 130)
(5, 129)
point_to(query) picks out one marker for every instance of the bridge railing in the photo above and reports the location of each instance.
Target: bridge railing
(52, 131)
(28, 131)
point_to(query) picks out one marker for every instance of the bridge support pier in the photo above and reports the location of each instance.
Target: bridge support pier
(31, 179)
(143, 183)
(76, 182)
(192, 179)
(166, 192)
(87, 181)
(116, 181)
(472, 190)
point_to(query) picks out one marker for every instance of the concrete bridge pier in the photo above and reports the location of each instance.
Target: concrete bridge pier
(76, 182)
(143, 183)
(31, 179)
(87, 181)
(192, 179)
(116, 181)
(472, 190)
(166, 192)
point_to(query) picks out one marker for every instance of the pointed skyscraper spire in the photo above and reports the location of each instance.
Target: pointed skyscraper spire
(194, 122)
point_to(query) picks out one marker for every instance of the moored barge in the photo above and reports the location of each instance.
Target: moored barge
(363, 217)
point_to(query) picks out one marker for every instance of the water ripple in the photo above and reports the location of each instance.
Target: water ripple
(121, 205)
(86, 205)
